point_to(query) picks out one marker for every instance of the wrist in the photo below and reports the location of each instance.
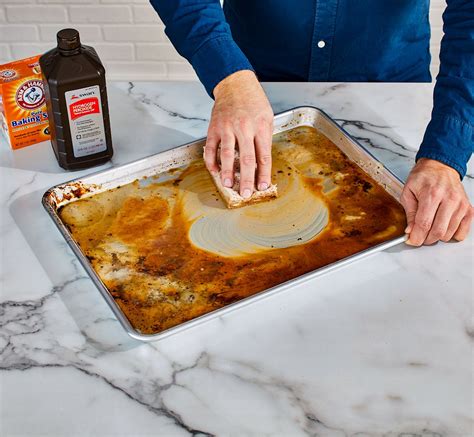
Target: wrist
(429, 163)
(233, 80)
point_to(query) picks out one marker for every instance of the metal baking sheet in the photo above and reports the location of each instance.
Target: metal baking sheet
(58, 196)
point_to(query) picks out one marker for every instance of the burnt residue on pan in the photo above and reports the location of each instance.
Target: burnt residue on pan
(171, 251)
(70, 191)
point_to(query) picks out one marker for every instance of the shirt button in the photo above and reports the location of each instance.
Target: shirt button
(321, 44)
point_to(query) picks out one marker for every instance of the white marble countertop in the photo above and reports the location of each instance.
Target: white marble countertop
(381, 347)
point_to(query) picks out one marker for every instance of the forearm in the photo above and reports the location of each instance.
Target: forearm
(450, 134)
(200, 33)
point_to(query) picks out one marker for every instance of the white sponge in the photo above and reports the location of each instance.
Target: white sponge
(232, 197)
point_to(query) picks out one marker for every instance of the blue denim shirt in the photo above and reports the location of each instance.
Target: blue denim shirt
(337, 40)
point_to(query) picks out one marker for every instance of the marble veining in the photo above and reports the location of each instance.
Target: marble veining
(380, 348)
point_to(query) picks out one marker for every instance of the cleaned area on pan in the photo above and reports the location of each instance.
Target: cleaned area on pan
(169, 250)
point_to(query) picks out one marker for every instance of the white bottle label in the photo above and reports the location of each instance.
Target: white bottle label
(86, 121)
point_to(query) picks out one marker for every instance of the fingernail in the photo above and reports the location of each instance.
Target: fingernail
(408, 229)
(246, 194)
(262, 186)
(412, 243)
(227, 183)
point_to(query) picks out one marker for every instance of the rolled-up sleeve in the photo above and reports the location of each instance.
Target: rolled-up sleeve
(449, 137)
(200, 33)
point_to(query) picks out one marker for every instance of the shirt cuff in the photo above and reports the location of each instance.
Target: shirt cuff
(449, 141)
(216, 59)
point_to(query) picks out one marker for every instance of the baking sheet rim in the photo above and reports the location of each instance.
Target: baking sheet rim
(131, 331)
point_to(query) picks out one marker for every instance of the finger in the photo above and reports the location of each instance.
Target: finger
(441, 222)
(210, 153)
(427, 207)
(454, 223)
(410, 204)
(247, 164)
(263, 149)
(464, 226)
(227, 154)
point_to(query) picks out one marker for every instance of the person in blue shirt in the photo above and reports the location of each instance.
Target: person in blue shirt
(232, 47)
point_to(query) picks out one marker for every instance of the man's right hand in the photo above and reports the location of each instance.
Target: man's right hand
(242, 117)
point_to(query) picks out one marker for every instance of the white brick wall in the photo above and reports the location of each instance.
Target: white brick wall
(127, 34)
(436, 11)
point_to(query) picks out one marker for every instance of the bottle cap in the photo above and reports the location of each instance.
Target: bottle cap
(68, 39)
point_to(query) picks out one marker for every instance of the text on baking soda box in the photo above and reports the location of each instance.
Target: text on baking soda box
(23, 113)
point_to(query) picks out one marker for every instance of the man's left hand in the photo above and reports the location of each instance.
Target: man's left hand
(436, 204)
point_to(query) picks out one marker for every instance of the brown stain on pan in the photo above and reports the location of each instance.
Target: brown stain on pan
(70, 191)
(137, 236)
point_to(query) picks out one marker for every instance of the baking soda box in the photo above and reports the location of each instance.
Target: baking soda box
(23, 113)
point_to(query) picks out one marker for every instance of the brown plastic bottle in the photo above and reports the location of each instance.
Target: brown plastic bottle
(76, 98)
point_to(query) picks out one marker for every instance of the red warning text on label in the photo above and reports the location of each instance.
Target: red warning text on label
(84, 107)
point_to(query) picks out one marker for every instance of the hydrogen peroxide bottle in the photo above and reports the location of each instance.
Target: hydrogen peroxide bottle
(76, 98)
